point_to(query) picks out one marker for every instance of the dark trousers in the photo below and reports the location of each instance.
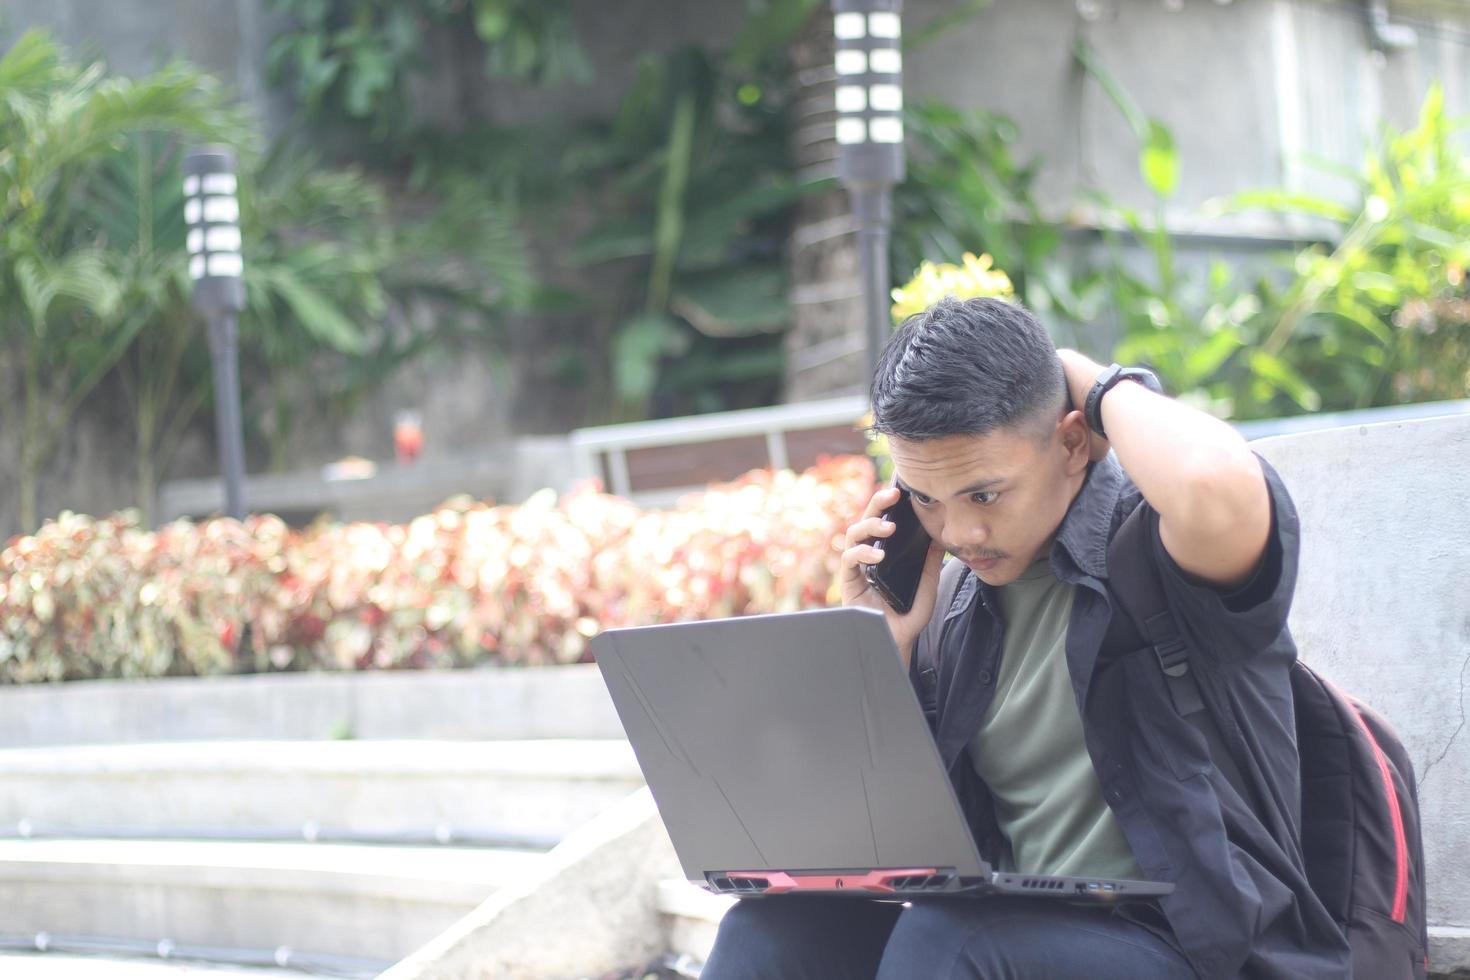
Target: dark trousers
(993, 937)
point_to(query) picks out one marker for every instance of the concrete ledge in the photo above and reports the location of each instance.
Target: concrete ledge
(61, 966)
(536, 791)
(1449, 952)
(477, 704)
(590, 909)
(451, 876)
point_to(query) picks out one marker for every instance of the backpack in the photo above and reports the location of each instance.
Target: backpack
(1360, 829)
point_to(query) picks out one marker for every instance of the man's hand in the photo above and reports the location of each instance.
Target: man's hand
(856, 591)
(1081, 373)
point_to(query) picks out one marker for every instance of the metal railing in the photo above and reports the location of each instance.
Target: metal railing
(614, 441)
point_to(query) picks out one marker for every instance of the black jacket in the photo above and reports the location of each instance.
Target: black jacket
(1241, 906)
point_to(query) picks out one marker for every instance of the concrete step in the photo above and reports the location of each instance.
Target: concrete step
(532, 792)
(568, 701)
(692, 916)
(63, 966)
(362, 901)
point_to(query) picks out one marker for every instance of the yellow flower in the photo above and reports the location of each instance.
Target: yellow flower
(931, 283)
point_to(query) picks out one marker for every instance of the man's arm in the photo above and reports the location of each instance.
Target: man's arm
(1195, 470)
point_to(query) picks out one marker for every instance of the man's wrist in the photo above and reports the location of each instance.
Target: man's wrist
(1078, 372)
(1111, 377)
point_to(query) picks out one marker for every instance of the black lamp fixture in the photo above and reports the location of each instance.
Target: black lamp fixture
(870, 159)
(212, 214)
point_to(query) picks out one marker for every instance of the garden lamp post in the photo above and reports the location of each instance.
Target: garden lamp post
(212, 213)
(870, 142)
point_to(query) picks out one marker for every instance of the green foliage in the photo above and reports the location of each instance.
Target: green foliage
(65, 318)
(1383, 317)
(1158, 160)
(966, 192)
(1379, 318)
(467, 584)
(134, 200)
(318, 242)
(688, 182)
(694, 193)
(352, 60)
(92, 263)
(333, 277)
(1200, 336)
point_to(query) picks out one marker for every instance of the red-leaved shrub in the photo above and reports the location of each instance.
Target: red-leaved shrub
(470, 583)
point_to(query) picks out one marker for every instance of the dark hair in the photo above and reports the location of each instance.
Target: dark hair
(967, 367)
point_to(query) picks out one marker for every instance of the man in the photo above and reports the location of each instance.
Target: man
(1056, 724)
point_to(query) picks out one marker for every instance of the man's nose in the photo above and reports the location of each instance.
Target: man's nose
(969, 535)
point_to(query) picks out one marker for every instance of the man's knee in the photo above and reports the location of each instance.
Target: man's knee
(750, 943)
(1004, 937)
(926, 940)
(799, 938)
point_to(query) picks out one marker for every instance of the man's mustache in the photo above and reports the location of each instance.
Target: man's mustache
(978, 555)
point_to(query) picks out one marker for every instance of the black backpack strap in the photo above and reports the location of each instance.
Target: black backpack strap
(1134, 580)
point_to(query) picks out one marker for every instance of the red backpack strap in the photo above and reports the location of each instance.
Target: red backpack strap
(1361, 839)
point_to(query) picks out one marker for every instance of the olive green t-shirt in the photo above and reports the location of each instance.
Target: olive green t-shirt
(1029, 748)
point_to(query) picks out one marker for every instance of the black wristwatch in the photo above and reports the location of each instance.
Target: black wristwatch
(1114, 373)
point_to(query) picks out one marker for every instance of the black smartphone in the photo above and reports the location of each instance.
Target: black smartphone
(896, 577)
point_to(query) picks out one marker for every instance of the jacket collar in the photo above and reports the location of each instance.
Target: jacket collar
(1088, 525)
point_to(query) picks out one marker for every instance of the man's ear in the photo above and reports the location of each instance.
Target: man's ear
(1076, 440)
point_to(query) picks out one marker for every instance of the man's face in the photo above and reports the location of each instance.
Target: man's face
(995, 501)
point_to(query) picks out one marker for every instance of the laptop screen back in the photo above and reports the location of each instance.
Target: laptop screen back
(788, 742)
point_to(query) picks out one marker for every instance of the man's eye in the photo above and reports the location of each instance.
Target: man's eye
(985, 496)
(920, 499)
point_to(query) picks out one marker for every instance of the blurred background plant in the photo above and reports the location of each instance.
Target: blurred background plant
(967, 192)
(1195, 331)
(1374, 316)
(663, 226)
(66, 292)
(697, 191)
(975, 276)
(336, 278)
(467, 584)
(92, 262)
(352, 61)
(1380, 316)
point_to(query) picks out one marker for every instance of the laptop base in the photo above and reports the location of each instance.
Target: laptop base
(927, 882)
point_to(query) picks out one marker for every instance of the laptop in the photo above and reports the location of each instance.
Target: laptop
(788, 754)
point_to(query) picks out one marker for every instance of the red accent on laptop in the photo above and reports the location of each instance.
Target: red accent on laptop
(873, 881)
